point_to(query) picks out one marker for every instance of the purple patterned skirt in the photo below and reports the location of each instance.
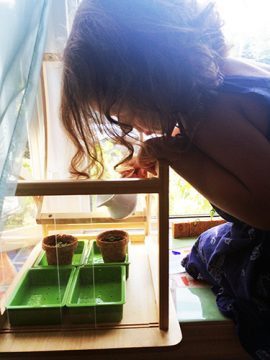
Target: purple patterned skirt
(235, 259)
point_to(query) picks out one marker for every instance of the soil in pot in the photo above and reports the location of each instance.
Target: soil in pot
(59, 248)
(113, 245)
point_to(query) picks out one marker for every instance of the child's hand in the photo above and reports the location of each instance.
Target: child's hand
(166, 148)
(135, 169)
(139, 166)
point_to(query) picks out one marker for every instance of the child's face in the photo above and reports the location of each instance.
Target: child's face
(143, 121)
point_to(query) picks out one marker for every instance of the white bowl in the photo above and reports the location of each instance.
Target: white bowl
(120, 206)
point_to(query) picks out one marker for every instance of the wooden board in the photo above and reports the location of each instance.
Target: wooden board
(139, 327)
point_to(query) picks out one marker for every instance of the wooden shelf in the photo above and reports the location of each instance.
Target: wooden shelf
(139, 327)
(88, 187)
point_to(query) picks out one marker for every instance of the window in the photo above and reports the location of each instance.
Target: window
(248, 30)
(246, 25)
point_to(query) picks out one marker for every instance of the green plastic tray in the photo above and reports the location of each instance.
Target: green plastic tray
(77, 259)
(40, 296)
(94, 257)
(97, 294)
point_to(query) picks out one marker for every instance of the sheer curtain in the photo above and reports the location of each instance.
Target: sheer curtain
(22, 38)
(59, 148)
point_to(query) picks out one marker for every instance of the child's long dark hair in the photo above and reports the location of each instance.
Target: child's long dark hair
(151, 55)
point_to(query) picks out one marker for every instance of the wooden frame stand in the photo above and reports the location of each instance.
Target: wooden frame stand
(142, 325)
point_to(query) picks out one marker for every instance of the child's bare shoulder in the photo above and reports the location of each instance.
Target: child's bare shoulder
(249, 108)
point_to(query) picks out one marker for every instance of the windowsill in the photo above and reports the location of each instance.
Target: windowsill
(194, 300)
(193, 226)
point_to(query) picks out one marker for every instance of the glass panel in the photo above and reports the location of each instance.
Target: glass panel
(92, 290)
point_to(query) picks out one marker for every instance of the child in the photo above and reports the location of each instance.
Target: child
(162, 67)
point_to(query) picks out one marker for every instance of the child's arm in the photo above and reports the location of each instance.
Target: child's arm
(227, 162)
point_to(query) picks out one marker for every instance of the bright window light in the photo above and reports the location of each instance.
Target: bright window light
(247, 27)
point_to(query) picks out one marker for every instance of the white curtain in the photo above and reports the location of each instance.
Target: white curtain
(22, 38)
